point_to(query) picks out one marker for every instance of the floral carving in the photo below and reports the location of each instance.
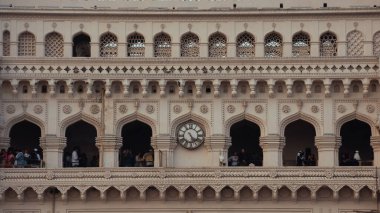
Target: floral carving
(107, 174)
(315, 109)
(123, 109)
(150, 109)
(67, 109)
(286, 109)
(95, 109)
(329, 173)
(231, 109)
(259, 109)
(38, 109)
(50, 175)
(177, 109)
(341, 108)
(204, 109)
(11, 109)
(370, 108)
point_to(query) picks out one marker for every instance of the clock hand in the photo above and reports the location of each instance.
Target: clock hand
(191, 136)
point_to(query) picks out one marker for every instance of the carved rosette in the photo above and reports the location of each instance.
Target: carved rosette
(123, 109)
(38, 109)
(107, 174)
(95, 109)
(50, 175)
(314, 109)
(177, 109)
(231, 108)
(286, 109)
(11, 109)
(341, 108)
(259, 109)
(67, 109)
(150, 109)
(370, 108)
(204, 109)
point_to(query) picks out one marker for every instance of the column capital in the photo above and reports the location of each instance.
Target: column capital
(218, 142)
(327, 142)
(110, 142)
(52, 142)
(164, 141)
(272, 142)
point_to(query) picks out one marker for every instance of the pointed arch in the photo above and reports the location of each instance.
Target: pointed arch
(189, 45)
(162, 45)
(135, 45)
(217, 45)
(81, 44)
(108, 45)
(352, 116)
(301, 44)
(78, 117)
(355, 43)
(244, 116)
(133, 117)
(24, 117)
(376, 43)
(300, 116)
(187, 117)
(26, 44)
(54, 44)
(245, 45)
(328, 44)
(6, 43)
(273, 46)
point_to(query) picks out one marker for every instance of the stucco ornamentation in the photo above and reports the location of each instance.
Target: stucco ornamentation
(38, 109)
(95, 109)
(177, 109)
(150, 109)
(259, 109)
(11, 109)
(231, 109)
(315, 109)
(67, 109)
(123, 109)
(286, 109)
(341, 108)
(204, 109)
(50, 175)
(370, 108)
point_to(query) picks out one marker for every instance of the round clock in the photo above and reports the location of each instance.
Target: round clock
(190, 135)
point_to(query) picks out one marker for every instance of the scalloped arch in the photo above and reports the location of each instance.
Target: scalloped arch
(245, 116)
(78, 117)
(352, 116)
(136, 117)
(24, 117)
(300, 116)
(189, 116)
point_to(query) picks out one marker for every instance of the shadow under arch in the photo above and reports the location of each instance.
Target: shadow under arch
(78, 117)
(358, 116)
(300, 116)
(23, 117)
(135, 117)
(244, 116)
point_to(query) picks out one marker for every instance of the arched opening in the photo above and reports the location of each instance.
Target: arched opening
(136, 150)
(80, 137)
(245, 149)
(356, 147)
(25, 138)
(300, 147)
(82, 47)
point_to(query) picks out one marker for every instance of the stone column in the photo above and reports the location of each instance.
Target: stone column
(5, 142)
(375, 143)
(164, 146)
(218, 147)
(272, 146)
(108, 146)
(328, 150)
(53, 150)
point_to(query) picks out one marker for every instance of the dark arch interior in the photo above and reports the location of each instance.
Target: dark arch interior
(136, 138)
(25, 135)
(300, 136)
(355, 135)
(81, 46)
(246, 135)
(82, 135)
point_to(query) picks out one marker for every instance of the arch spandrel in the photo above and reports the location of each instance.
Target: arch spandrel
(79, 117)
(355, 115)
(24, 117)
(301, 116)
(133, 117)
(245, 116)
(190, 117)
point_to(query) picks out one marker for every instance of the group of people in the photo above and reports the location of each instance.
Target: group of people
(127, 159)
(20, 158)
(243, 158)
(76, 158)
(346, 160)
(305, 160)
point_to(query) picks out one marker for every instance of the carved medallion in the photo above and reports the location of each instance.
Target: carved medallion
(341, 108)
(370, 108)
(150, 109)
(38, 109)
(67, 109)
(50, 175)
(204, 109)
(231, 108)
(177, 109)
(286, 109)
(107, 174)
(315, 109)
(123, 109)
(259, 109)
(11, 109)
(95, 109)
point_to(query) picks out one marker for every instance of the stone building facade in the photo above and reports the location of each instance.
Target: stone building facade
(193, 81)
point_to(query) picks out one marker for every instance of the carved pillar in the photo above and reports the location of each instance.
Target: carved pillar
(5, 142)
(218, 147)
(375, 143)
(272, 146)
(164, 146)
(328, 149)
(53, 150)
(109, 146)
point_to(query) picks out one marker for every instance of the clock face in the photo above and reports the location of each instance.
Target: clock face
(190, 135)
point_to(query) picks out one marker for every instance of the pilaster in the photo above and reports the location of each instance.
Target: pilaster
(53, 150)
(259, 49)
(203, 50)
(231, 50)
(122, 50)
(68, 49)
(342, 48)
(314, 49)
(149, 50)
(4, 142)
(218, 148)
(272, 146)
(164, 146)
(328, 149)
(176, 52)
(287, 49)
(108, 146)
(94, 49)
(375, 143)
